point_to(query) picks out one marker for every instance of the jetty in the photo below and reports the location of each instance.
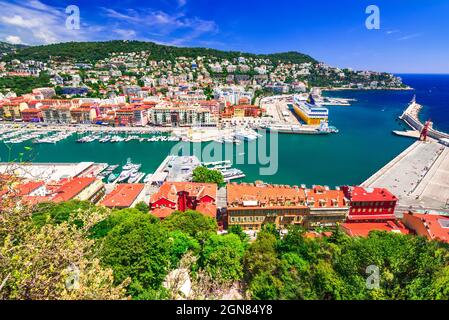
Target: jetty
(419, 176)
(411, 117)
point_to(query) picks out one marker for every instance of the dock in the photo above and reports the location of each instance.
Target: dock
(408, 133)
(411, 117)
(419, 176)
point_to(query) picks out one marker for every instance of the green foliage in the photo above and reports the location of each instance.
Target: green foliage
(22, 85)
(222, 257)
(94, 51)
(143, 207)
(204, 175)
(180, 244)
(139, 249)
(192, 223)
(102, 228)
(297, 267)
(56, 213)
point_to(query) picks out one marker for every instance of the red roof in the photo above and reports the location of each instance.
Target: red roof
(123, 196)
(71, 188)
(364, 228)
(433, 227)
(27, 188)
(162, 213)
(368, 194)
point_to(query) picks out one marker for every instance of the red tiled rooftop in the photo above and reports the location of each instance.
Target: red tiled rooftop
(431, 226)
(364, 228)
(123, 195)
(169, 190)
(71, 188)
(162, 213)
(27, 188)
(369, 194)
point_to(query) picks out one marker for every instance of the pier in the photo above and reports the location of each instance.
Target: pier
(411, 118)
(419, 177)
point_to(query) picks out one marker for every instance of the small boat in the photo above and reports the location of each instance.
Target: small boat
(135, 177)
(112, 177)
(125, 175)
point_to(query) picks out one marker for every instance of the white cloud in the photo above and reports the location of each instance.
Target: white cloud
(37, 23)
(411, 36)
(160, 23)
(13, 40)
(125, 33)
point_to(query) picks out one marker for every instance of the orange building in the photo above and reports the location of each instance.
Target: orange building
(123, 196)
(252, 205)
(328, 208)
(83, 189)
(31, 115)
(433, 227)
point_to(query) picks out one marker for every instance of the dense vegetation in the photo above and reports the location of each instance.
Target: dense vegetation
(8, 47)
(93, 51)
(22, 85)
(205, 175)
(131, 254)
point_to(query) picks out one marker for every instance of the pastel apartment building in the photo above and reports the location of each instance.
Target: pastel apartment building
(252, 205)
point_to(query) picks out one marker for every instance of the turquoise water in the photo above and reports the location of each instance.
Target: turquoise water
(364, 144)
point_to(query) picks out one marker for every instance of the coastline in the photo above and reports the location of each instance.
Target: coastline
(366, 89)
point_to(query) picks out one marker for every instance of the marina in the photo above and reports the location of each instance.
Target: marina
(332, 159)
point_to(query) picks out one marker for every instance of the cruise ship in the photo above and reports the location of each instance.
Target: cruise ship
(310, 112)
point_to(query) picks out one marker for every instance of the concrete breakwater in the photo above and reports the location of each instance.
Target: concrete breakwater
(411, 118)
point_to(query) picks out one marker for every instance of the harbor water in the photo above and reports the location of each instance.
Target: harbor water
(364, 144)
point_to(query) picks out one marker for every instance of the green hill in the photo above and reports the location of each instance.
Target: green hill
(94, 51)
(8, 47)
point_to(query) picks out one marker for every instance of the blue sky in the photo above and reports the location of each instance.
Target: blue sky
(413, 35)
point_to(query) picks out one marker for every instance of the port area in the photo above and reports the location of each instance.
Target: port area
(419, 177)
(282, 117)
(50, 171)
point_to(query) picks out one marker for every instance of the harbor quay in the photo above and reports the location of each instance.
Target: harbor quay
(356, 209)
(419, 176)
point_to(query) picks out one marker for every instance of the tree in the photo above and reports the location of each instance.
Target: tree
(192, 223)
(143, 207)
(238, 230)
(204, 175)
(57, 213)
(222, 257)
(52, 260)
(138, 249)
(102, 228)
(181, 243)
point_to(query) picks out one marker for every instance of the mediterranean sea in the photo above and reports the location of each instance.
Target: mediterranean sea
(364, 144)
